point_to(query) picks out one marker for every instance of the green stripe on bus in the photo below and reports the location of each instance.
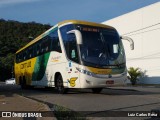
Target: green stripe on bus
(40, 67)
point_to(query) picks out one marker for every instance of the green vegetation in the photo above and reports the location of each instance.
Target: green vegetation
(14, 35)
(62, 113)
(134, 73)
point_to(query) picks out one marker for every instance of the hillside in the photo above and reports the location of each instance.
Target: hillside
(13, 35)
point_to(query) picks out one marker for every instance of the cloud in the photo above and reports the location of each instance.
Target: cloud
(12, 2)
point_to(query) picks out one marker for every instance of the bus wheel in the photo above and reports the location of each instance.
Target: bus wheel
(59, 85)
(96, 90)
(23, 83)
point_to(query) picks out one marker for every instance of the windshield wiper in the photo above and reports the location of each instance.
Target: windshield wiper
(119, 65)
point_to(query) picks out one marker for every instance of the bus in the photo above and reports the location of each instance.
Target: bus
(73, 54)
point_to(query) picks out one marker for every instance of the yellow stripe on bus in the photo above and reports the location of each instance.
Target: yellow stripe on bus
(26, 69)
(99, 71)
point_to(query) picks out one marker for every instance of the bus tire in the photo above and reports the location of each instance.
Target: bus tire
(20, 81)
(59, 85)
(97, 90)
(23, 83)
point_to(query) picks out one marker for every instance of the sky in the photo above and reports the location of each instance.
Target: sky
(54, 11)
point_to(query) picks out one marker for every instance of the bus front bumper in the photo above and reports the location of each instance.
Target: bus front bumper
(102, 81)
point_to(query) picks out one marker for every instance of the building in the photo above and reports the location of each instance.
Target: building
(143, 26)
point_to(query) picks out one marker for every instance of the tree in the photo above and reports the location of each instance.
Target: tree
(13, 36)
(134, 73)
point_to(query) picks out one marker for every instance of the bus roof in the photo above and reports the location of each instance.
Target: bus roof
(83, 23)
(62, 24)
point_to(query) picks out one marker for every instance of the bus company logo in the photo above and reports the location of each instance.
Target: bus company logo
(55, 59)
(25, 65)
(6, 114)
(72, 81)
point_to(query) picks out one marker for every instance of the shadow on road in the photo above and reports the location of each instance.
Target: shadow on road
(111, 91)
(9, 90)
(32, 93)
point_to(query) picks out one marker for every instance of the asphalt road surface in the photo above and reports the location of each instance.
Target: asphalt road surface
(118, 99)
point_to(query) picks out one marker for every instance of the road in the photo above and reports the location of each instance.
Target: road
(111, 99)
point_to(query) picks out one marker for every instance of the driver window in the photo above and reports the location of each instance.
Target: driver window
(70, 43)
(72, 47)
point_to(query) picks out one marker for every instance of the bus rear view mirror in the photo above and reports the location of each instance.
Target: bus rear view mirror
(78, 35)
(130, 41)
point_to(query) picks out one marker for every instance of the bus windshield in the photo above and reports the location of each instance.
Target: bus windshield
(101, 47)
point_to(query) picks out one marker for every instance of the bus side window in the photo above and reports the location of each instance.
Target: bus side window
(34, 50)
(30, 52)
(46, 44)
(55, 41)
(26, 55)
(38, 49)
(20, 57)
(42, 47)
(23, 56)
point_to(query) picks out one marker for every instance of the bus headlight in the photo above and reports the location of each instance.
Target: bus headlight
(85, 72)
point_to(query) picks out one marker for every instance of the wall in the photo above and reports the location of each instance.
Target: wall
(143, 26)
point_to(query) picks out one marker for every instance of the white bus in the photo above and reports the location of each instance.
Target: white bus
(73, 54)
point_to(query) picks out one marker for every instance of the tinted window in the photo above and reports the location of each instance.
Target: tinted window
(70, 44)
(44, 45)
(38, 49)
(55, 46)
(30, 52)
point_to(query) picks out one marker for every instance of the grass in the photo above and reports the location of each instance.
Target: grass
(62, 113)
